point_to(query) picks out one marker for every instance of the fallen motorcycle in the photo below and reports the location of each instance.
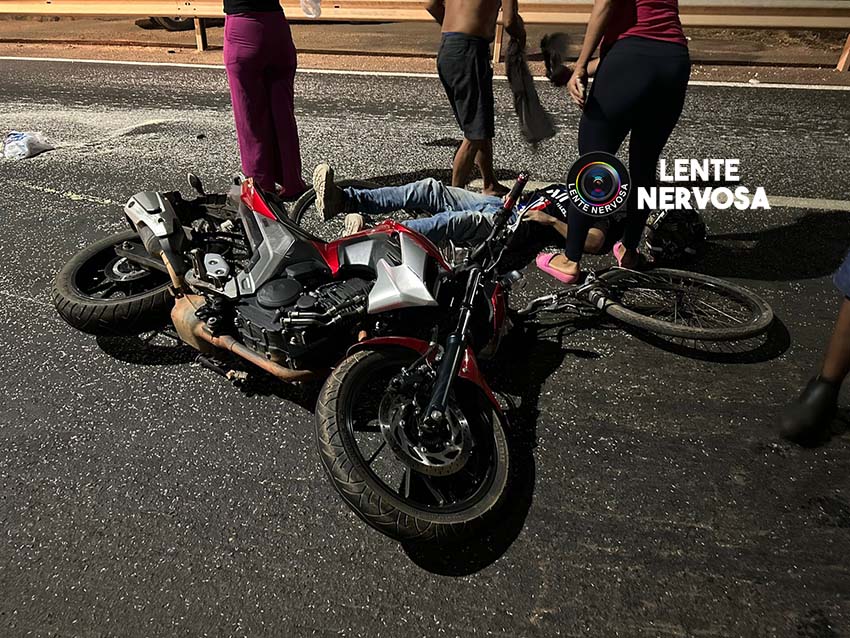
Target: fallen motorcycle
(237, 276)
(409, 432)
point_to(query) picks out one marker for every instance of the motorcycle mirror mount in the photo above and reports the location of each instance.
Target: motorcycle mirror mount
(195, 184)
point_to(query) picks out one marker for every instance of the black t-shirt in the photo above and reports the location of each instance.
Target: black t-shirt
(553, 201)
(531, 237)
(246, 6)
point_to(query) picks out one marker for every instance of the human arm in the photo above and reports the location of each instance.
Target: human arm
(513, 22)
(437, 8)
(538, 216)
(599, 16)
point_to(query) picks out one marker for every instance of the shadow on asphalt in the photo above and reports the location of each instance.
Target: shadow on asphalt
(770, 345)
(147, 349)
(164, 349)
(517, 375)
(811, 247)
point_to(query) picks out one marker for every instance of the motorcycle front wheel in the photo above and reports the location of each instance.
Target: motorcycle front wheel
(366, 467)
(101, 293)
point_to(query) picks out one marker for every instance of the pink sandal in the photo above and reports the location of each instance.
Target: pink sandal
(619, 251)
(542, 262)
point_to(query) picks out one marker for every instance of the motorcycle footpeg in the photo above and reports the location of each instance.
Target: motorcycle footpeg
(236, 377)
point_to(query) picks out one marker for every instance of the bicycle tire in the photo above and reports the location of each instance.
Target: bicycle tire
(757, 321)
(317, 227)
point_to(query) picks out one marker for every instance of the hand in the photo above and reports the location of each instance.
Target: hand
(577, 86)
(517, 31)
(535, 215)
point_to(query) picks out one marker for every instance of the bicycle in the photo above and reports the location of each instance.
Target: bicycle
(664, 301)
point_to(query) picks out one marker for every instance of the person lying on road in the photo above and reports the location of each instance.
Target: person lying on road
(458, 215)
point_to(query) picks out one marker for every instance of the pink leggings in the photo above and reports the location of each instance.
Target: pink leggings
(260, 59)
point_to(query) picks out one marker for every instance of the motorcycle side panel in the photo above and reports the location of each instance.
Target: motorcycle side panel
(402, 286)
(398, 287)
(151, 209)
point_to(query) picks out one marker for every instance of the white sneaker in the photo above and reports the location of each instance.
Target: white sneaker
(330, 199)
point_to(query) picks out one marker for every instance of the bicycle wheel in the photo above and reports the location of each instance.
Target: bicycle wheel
(676, 303)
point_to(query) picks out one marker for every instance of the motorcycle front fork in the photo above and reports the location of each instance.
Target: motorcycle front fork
(452, 356)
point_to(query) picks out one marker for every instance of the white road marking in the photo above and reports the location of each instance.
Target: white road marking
(805, 202)
(402, 74)
(75, 197)
(776, 201)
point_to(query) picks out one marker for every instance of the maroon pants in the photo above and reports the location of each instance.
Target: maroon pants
(260, 59)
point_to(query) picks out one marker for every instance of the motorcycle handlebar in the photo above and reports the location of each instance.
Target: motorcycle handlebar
(513, 197)
(502, 215)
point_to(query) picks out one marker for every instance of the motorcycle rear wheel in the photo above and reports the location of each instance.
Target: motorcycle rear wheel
(404, 513)
(99, 293)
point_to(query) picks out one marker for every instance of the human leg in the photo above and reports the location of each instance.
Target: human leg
(809, 417)
(463, 64)
(650, 133)
(461, 227)
(281, 90)
(244, 64)
(604, 125)
(429, 195)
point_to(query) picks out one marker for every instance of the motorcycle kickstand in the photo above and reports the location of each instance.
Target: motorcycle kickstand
(236, 377)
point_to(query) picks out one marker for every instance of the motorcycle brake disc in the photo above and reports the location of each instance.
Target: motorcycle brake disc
(397, 420)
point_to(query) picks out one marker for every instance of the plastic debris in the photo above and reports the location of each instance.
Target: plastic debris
(20, 145)
(311, 8)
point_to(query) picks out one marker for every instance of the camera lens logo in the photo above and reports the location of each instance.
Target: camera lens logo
(598, 184)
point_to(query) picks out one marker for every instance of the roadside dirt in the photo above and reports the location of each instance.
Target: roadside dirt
(720, 54)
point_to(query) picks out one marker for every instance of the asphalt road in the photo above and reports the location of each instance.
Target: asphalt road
(141, 495)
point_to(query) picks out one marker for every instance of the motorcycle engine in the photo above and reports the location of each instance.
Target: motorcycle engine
(294, 326)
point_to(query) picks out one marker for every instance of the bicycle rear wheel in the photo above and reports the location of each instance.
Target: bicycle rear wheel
(676, 303)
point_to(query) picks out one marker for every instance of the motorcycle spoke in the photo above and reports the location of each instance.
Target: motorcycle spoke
(437, 494)
(375, 454)
(107, 291)
(405, 482)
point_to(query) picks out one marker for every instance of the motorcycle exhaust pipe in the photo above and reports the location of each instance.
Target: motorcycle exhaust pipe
(193, 332)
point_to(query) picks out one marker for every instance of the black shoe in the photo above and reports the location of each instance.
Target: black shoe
(554, 49)
(810, 416)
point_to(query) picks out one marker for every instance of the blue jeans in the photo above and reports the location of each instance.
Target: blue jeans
(457, 214)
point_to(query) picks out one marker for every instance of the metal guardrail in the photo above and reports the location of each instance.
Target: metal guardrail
(788, 14)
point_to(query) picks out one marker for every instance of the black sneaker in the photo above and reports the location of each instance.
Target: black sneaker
(808, 419)
(330, 198)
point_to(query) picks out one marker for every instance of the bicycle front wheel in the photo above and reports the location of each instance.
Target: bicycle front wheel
(676, 303)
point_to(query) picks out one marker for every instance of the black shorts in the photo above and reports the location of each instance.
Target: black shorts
(463, 64)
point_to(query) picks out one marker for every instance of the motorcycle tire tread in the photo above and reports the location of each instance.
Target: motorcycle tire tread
(107, 316)
(354, 490)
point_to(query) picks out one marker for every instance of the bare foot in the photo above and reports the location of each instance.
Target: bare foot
(564, 264)
(496, 190)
